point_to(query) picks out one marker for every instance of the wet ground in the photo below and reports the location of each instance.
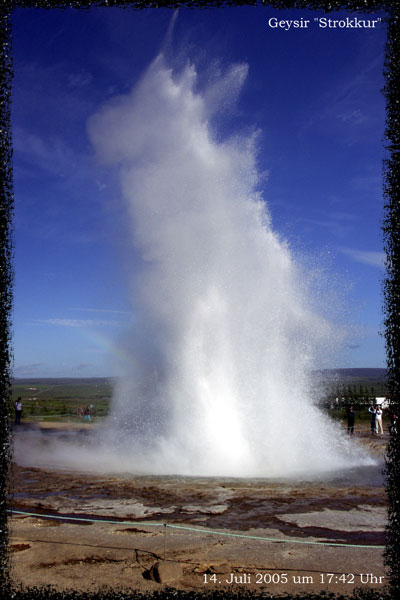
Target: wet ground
(214, 526)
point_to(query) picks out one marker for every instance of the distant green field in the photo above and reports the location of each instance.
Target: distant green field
(52, 399)
(59, 399)
(354, 384)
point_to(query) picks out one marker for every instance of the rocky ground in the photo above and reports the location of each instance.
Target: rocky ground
(197, 533)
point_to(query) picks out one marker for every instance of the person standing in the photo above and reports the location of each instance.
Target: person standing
(18, 410)
(350, 419)
(87, 414)
(372, 416)
(378, 418)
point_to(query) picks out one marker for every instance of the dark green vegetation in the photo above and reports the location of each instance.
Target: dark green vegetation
(356, 384)
(55, 399)
(59, 399)
(359, 387)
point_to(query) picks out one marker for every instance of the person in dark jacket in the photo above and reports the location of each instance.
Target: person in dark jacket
(87, 413)
(372, 416)
(350, 419)
(18, 410)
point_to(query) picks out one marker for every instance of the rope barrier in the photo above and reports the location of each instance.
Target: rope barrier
(274, 540)
(204, 531)
(85, 519)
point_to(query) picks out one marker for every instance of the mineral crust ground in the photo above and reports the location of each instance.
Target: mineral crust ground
(145, 555)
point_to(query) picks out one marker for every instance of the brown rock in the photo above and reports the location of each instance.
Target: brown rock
(165, 571)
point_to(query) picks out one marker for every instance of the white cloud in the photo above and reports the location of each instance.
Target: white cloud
(28, 369)
(103, 310)
(50, 154)
(339, 224)
(369, 257)
(354, 116)
(79, 322)
(81, 79)
(367, 183)
(342, 108)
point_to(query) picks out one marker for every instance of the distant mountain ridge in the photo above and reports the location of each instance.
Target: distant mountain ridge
(62, 380)
(358, 373)
(344, 374)
(358, 380)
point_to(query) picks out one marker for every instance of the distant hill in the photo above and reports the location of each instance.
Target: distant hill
(335, 382)
(366, 377)
(60, 380)
(350, 375)
(361, 381)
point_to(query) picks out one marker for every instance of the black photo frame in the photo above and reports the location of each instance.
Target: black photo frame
(391, 295)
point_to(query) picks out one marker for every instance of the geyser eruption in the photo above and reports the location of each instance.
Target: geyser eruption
(225, 333)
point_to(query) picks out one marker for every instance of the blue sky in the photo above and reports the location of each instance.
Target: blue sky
(315, 95)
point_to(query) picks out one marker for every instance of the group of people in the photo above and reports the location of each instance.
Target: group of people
(375, 415)
(86, 414)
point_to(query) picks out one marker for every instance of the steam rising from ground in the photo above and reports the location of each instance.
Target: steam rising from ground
(226, 332)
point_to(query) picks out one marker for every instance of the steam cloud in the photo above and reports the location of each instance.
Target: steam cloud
(226, 334)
